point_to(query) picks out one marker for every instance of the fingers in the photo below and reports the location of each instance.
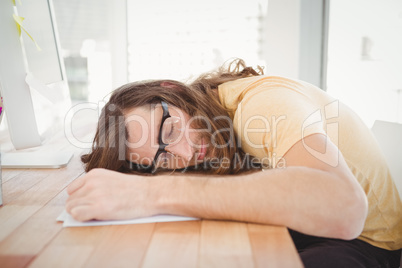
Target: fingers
(82, 213)
(96, 196)
(80, 209)
(78, 206)
(75, 185)
(80, 182)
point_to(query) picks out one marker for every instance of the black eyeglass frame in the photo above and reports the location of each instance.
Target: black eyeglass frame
(162, 145)
(151, 168)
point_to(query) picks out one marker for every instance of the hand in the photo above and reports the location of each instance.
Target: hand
(108, 195)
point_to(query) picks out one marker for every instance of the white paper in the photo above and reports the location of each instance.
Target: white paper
(68, 220)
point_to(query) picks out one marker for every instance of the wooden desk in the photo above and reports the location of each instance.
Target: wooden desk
(31, 237)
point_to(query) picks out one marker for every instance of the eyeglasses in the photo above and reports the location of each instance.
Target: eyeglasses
(169, 132)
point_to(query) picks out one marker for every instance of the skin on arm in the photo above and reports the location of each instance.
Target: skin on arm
(308, 195)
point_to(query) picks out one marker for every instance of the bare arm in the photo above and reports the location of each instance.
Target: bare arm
(309, 195)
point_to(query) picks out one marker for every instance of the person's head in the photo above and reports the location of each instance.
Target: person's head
(168, 124)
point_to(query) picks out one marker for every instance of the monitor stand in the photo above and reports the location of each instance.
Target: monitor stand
(35, 159)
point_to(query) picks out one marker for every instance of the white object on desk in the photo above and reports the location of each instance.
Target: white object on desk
(35, 160)
(68, 220)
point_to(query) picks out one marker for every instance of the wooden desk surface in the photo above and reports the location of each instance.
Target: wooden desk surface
(31, 237)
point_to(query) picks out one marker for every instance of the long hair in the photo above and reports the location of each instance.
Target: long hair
(197, 99)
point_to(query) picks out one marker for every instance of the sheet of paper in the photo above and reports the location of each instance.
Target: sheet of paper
(68, 221)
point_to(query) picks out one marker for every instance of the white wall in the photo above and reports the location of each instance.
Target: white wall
(281, 38)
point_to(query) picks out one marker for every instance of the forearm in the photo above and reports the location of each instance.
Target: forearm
(304, 199)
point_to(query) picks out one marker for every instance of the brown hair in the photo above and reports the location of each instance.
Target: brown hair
(196, 99)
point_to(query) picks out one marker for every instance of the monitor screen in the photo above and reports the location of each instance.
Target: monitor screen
(32, 81)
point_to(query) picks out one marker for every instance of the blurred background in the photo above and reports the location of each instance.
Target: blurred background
(350, 48)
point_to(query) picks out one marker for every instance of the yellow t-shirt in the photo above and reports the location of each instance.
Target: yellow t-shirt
(270, 114)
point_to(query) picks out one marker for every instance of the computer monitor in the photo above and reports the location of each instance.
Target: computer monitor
(26, 73)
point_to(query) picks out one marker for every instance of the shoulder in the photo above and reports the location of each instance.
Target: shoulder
(236, 91)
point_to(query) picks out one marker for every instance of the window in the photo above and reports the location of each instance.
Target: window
(365, 57)
(85, 32)
(177, 39)
(108, 43)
